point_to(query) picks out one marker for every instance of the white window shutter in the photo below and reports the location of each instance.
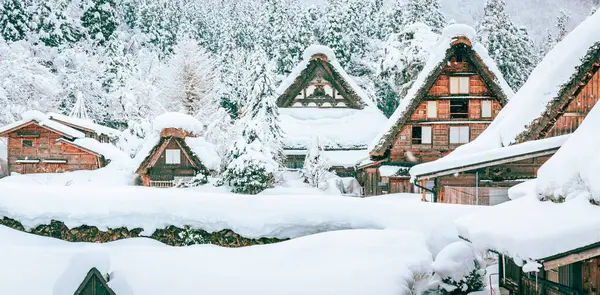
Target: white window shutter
(464, 85)
(431, 109)
(486, 108)
(454, 134)
(454, 85)
(173, 157)
(464, 134)
(426, 135)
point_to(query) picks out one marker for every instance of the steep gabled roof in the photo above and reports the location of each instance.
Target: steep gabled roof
(154, 154)
(318, 58)
(550, 87)
(42, 120)
(94, 277)
(453, 36)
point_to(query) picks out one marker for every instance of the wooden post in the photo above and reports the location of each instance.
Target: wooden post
(423, 191)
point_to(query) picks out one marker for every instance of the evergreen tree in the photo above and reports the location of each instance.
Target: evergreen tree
(100, 20)
(52, 25)
(547, 44)
(509, 46)
(424, 11)
(562, 22)
(316, 169)
(14, 20)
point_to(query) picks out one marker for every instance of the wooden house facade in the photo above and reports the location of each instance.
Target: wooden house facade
(449, 105)
(320, 99)
(477, 182)
(170, 161)
(40, 145)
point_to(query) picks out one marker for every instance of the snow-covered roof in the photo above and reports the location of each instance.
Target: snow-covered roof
(107, 150)
(436, 62)
(337, 128)
(554, 79)
(349, 262)
(179, 121)
(348, 81)
(87, 124)
(390, 170)
(44, 121)
(205, 151)
(561, 209)
(337, 158)
(450, 165)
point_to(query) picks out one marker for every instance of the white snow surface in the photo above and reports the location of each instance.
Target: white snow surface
(542, 87)
(350, 262)
(557, 227)
(100, 129)
(336, 128)
(205, 151)
(107, 150)
(452, 162)
(437, 55)
(43, 120)
(456, 261)
(337, 158)
(280, 216)
(179, 121)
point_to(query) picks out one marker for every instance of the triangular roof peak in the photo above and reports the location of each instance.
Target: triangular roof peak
(320, 62)
(452, 37)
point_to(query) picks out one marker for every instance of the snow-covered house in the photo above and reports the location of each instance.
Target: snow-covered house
(547, 237)
(175, 152)
(551, 104)
(320, 98)
(39, 144)
(89, 128)
(453, 100)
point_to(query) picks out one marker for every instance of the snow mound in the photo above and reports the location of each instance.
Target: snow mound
(107, 150)
(349, 262)
(177, 120)
(33, 115)
(459, 30)
(319, 49)
(205, 151)
(456, 261)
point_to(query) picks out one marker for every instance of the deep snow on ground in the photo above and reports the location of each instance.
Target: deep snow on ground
(342, 262)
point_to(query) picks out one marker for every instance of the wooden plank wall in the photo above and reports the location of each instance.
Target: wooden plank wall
(46, 147)
(578, 108)
(591, 276)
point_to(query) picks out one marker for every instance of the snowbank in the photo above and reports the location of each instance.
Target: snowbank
(107, 150)
(177, 120)
(456, 261)
(279, 216)
(437, 56)
(530, 229)
(344, 262)
(337, 128)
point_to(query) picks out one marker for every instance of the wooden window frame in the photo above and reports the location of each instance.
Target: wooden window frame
(491, 108)
(459, 115)
(169, 160)
(419, 140)
(460, 129)
(460, 87)
(31, 145)
(432, 114)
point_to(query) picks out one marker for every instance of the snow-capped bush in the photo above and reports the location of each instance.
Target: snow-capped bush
(316, 169)
(459, 269)
(198, 180)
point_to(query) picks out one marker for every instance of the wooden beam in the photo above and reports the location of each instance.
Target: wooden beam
(572, 258)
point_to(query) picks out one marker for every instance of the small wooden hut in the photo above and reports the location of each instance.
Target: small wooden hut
(94, 284)
(552, 104)
(454, 99)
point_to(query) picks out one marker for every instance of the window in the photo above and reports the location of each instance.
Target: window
(459, 109)
(459, 134)
(459, 85)
(173, 157)
(431, 109)
(27, 143)
(486, 109)
(421, 135)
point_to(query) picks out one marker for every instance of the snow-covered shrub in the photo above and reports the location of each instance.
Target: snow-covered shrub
(189, 236)
(251, 171)
(459, 269)
(316, 169)
(198, 180)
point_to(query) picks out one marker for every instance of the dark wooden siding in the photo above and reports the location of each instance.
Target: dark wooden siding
(162, 171)
(45, 147)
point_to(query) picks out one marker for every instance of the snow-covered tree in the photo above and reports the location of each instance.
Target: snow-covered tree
(100, 20)
(562, 23)
(191, 80)
(509, 46)
(14, 20)
(316, 169)
(424, 11)
(52, 24)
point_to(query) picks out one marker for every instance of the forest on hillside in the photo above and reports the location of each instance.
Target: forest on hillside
(123, 62)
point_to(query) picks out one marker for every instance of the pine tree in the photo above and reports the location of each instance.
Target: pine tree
(316, 169)
(547, 44)
(424, 11)
(52, 25)
(509, 46)
(14, 20)
(562, 22)
(100, 20)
